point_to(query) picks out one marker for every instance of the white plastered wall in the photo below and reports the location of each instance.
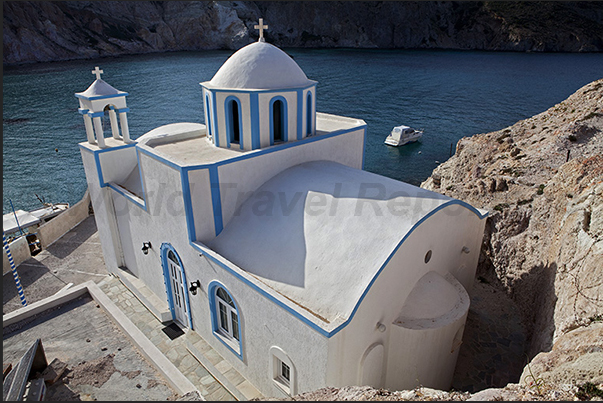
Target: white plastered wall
(445, 233)
(245, 117)
(118, 164)
(264, 112)
(239, 178)
(264, 324)
(104, 214)
(201, 197)
(163, 221)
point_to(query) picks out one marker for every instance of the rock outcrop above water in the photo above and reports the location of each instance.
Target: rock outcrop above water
(57, 30)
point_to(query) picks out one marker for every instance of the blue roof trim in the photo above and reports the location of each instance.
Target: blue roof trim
(123, 94)
(125, 193)
(96, 154)
(368, 287)
(254, 153)
(258, 91)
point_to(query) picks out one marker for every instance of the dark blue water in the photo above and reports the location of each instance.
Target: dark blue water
(449, 94)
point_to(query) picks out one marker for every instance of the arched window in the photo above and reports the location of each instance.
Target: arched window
(309, 114)
(233, 121)
(225, 317)
(228, 318)
(278, 120)
(208, 116)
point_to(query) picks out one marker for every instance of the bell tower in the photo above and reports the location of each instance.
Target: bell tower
(99, 98)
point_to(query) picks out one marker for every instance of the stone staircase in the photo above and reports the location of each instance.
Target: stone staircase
(213, 376)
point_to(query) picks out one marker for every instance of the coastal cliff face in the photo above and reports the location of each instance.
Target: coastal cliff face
(542, 181)
(65, 30)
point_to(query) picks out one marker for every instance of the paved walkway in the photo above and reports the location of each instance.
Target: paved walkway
(215, 378)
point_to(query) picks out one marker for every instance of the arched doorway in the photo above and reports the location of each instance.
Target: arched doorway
(175, 280)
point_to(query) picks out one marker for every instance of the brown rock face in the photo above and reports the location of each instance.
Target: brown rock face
(64, 30)
(542, 180)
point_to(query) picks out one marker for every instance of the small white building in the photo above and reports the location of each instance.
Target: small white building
(261, 232)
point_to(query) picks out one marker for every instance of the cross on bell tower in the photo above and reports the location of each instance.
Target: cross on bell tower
(261, 27)
(97, 72)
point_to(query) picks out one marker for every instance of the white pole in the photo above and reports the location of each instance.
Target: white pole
(114, 127)
(98, 128)
(123, 120)
(89, 129)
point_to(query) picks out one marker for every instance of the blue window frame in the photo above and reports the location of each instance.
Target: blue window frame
(278, 120)
(208, 116)
(225, 317)
(309, 114)
(234, 128)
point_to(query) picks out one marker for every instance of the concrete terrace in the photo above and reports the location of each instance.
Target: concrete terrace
(76, 259)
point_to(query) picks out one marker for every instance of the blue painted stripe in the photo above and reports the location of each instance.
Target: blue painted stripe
(259, 91)
(188, 203)
(294, 312)
(216, 126)
(104, 150)
(82, 111)
(250, 154)
(216, 200)
(122, 110)
(96, 114)
(125, 193)
(254, 110)
(99, 170)
(300, 114)
(161, 159)
(122, 94)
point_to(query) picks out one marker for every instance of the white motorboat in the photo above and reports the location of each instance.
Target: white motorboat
(401, 135)
(21, 220)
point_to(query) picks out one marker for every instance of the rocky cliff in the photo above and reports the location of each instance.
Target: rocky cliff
(542, 182)
(64, 30)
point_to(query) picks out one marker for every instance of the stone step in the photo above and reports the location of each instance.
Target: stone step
(221, 369)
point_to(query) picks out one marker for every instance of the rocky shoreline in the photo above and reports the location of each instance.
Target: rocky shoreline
(68, 30)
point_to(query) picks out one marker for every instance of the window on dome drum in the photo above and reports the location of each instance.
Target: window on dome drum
(233, 111)
(207, 113)
(278, 121)
(228, 318)
(309, 114)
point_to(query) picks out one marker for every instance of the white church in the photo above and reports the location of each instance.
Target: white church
(260, 231)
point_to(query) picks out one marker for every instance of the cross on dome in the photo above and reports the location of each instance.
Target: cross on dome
(98, 72)
(261, 27)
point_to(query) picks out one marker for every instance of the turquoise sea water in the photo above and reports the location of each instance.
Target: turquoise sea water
(450, 94)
